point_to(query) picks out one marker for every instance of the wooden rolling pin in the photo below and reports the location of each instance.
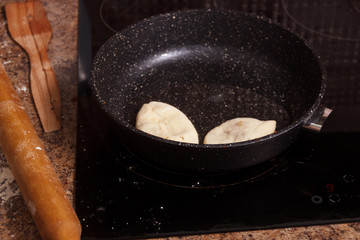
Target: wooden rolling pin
(41, 189)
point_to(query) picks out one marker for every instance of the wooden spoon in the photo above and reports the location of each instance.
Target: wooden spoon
(30, 28)
(41, 189)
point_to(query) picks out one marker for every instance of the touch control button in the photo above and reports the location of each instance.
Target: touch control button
(316, 199)
(334, 198)
(348, 178)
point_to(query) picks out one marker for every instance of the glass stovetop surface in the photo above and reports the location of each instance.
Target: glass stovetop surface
(315, 182)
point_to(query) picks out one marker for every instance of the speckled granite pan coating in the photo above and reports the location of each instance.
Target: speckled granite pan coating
(214, 65)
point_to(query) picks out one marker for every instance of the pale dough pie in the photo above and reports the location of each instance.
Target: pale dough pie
(239, 130)
(165, 121)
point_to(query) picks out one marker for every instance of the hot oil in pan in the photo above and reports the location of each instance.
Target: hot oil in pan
(209, 88)
(209, 105)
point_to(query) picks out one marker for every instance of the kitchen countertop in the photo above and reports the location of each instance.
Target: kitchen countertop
(15, 220)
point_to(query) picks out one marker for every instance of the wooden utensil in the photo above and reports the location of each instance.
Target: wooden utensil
(41, 189)
(30, 28)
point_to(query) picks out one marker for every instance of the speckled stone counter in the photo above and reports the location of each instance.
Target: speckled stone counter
(15, 221)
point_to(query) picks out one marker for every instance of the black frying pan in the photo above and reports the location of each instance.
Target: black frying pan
(213, 65)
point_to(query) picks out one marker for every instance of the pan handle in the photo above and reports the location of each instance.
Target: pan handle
(339, 120)
(317, 120)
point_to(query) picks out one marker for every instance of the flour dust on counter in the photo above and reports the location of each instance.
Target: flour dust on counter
(8, 187)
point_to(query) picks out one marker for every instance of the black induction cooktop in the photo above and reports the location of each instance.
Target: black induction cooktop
(316, 181)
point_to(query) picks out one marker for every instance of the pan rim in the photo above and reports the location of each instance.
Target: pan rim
(296, 123)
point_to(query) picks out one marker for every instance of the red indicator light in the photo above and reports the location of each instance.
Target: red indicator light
(330, 187)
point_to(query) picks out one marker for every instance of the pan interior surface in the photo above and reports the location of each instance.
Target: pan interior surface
(212, 65)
